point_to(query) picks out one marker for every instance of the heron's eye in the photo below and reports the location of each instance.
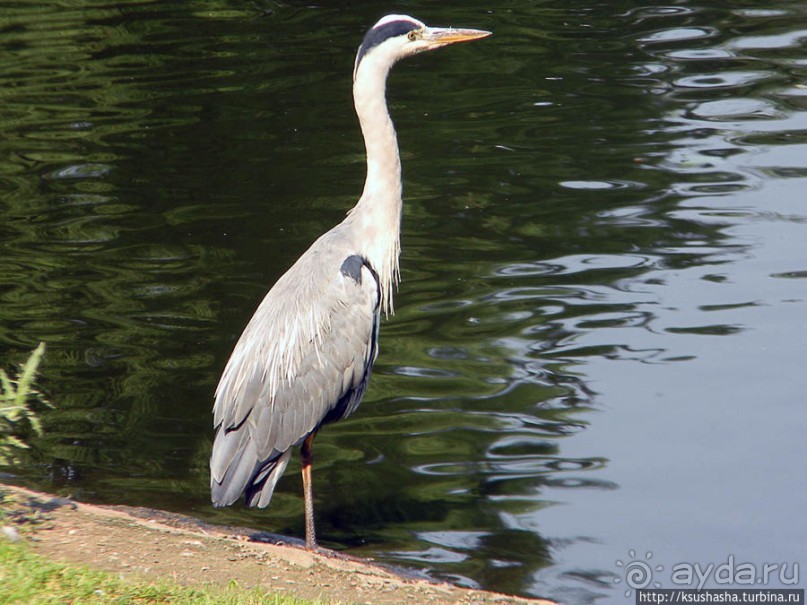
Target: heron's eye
(413, 35)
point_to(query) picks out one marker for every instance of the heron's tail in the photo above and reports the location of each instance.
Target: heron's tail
(236, 468)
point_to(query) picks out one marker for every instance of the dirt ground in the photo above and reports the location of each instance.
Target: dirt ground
(155, 544)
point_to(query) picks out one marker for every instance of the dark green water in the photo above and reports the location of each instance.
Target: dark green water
(599, 337)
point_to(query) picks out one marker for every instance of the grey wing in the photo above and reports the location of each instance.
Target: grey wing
(271, 397)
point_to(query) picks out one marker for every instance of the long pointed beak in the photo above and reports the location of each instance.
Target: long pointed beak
(443, 36)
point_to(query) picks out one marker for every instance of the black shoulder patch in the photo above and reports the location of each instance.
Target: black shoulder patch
(377, 35)
(351, 267)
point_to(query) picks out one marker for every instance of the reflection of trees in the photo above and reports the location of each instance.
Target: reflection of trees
(95, 262)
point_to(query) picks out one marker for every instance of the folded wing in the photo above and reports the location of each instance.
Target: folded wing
(303, 360)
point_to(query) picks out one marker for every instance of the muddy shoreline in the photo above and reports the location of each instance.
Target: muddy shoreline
(133, 541)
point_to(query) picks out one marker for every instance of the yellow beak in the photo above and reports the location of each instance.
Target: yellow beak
(442, 36)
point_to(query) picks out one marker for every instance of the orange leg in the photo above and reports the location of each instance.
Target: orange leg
(306, 457)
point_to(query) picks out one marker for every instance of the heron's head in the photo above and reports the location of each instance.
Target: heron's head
(397, 36)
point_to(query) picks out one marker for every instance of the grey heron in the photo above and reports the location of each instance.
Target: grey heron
(305, 357)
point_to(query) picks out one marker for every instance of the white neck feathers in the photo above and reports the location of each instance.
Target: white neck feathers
(378, 211)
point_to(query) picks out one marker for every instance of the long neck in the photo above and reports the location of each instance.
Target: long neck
(378, 211)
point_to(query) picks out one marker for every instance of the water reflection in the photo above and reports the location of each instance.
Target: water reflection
(602, 290)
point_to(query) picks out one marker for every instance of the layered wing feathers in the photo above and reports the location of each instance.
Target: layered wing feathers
(304, 357)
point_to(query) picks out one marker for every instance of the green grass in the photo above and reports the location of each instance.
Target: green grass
(16, 415)
(27, 578)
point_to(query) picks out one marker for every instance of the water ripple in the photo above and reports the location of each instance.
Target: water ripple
(678, 34)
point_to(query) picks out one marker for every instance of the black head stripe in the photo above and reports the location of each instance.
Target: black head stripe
(377, 35)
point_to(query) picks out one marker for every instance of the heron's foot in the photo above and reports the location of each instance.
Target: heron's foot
(320, 550)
